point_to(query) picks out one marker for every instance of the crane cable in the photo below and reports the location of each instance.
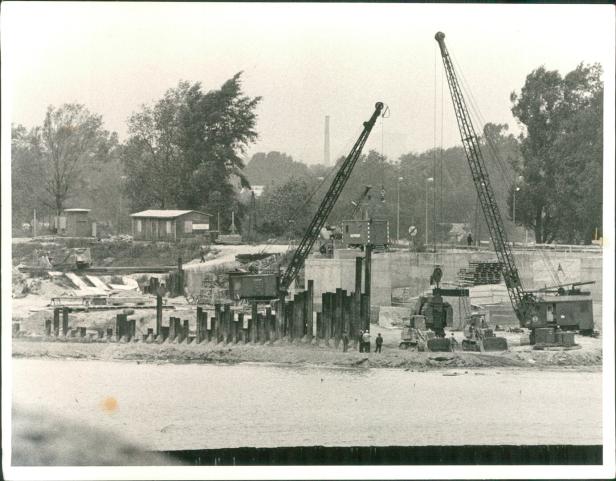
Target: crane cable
(434, 130)
(441, 209)
(438, 213)
(504, 171)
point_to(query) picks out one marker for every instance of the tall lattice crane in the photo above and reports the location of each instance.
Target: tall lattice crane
(524, 303)
(327, 204)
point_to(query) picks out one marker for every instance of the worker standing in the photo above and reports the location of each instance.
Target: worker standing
(453, 343)
(378, 343)
(361, 341)
(469, 239)
(202, 252)
(345, 341)
(366, 340)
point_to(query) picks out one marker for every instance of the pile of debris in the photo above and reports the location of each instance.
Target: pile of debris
(23, 285)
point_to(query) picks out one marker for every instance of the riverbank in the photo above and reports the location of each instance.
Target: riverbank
(170, 407)
(588, 356)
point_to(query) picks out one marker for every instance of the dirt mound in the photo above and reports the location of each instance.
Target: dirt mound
(21, 284)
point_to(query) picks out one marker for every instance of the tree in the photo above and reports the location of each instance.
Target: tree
(274, 168)
(71, 137)
(561, 145)
(285, 209)
(188, 145)
(26, 172)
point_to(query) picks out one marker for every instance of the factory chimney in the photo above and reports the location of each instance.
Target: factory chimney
(326, 146)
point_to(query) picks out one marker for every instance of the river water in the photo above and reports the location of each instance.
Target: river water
(196, 406)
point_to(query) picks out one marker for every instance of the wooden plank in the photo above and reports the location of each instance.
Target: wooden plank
(368, 281)
(289, 317)
(56, 321)
(338, 316)
(278, 316)
(172, 333)
(185, 330)
(235, 327)
(326, 316)
(298, 308)
(64, 321)
(199, 326)
(227, 324)
(159, 313)
(254, 325)
(217, 326)
(309, 309)
(269, 322)
(364, 312)
(243, 335)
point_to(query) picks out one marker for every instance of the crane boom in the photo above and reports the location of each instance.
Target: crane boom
(327, 204)
(357, 203)
(523, 303)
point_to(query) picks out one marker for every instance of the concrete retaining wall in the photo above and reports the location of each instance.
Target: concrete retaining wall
(413, 270)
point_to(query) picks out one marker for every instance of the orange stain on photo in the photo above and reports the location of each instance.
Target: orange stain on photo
(110, 404)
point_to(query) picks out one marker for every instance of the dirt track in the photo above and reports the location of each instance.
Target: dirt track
(281, 352)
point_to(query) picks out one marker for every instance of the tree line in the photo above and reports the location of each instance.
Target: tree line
(186, 151)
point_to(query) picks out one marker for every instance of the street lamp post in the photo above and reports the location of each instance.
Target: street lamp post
(398, 216)
(428, 181)
(514, 191)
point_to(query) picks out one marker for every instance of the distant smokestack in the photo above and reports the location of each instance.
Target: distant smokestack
(326, 146)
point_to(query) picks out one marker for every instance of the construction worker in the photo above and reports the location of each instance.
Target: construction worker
(361, 341)
(469, 239)
(454, 343)
(202, 252)
(345, 341)
(378, 343)
(366, 340)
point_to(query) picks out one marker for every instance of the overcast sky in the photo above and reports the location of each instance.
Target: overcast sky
(305, 60)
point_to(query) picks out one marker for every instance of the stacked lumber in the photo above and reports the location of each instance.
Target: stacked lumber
(480, 273)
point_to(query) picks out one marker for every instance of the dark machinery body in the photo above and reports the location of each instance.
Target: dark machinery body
(528, 308)
(359, 232)
(259, 287)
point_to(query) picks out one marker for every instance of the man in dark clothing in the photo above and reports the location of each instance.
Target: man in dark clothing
(366, 339)
(379, 343)
(469, 239)
(202, 252)
(361, 341)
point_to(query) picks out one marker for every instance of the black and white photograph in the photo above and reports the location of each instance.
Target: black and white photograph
(307, 240)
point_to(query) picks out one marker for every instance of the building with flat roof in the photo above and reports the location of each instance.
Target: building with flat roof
(75, 223)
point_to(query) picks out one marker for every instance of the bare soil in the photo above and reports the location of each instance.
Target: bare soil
(303, 353)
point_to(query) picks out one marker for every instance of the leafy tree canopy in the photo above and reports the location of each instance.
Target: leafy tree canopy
(185, 151)
(561, 193)
(274, 168)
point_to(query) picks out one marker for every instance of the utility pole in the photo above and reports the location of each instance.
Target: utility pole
(398, 217)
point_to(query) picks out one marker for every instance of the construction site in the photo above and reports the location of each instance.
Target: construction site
(255, 333)
(326, 292)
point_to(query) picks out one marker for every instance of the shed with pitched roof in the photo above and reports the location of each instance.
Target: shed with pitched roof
(169, 225)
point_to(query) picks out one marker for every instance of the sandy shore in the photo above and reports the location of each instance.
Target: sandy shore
(299, 353)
